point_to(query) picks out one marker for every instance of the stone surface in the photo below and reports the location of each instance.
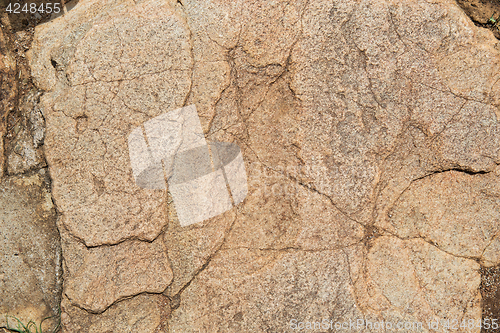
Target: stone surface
(22, 118)
(25, 149)
(370, 138)
(143, 313)
(490, 292)
(414, 281)
(457, 212)
(285, 284)
(8, 88)
(97, 277)
(93, 183)
(30, 261)
(480, 11)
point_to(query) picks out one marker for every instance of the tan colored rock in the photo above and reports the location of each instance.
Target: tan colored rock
(245, 290)
(342, 111)
(413, 281)
(142, 313)
(8, 89)
(367, 98)
(93, 183)
(30, 251)
(455, 211)
(97, 277)
(26, 151)
(189, 249)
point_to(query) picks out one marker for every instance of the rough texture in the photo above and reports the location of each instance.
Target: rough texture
(490, 292)
(22, 119)
(8, 90)
(93, 184)
(371, 141)
(481, 12)
(30, 261)
(143, 313)
(414, 281)
(25, 148)
(97, 277)
(285, 285)
(457, 212)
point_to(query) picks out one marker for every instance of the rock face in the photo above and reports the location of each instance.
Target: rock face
(26, 152)
(30, 265)
(98, 277)
(455, 211)
(8, 91)
(143, 313)
(370, 138)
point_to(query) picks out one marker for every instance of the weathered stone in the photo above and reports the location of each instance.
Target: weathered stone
(30, 261)
(245, 290)
(490, 292)
(190, 248)
(413, 281)
(87, 133)
(342, 111)
(143, 313)
(480, 11)
(26, 152)
(97, 277)
(8, 89)
(24, 156)
(361, 91)
(457, 212)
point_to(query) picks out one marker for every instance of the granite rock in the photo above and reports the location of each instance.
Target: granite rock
(30, 262)
(142, 313)
(370, 137)
(8, 89)
(455, 211)
(98, 277)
